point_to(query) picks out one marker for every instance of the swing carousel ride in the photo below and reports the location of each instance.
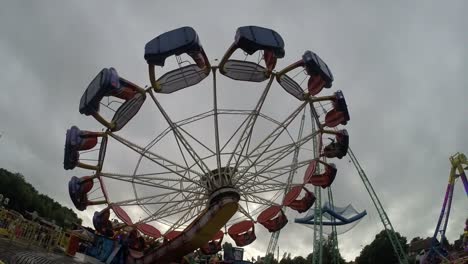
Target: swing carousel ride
(254, 151)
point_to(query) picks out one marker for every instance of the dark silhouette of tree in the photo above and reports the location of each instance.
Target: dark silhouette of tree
(299, 260)
(24, 197)
(270, 258)
(328, 252)
(287, 259)
(446, 244)
(381, 250)
(327, 256)
(458, 244)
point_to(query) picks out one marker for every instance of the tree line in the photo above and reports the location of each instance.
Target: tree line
(380, 251)
(24, 197)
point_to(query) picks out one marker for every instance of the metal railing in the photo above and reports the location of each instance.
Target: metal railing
(32, 234)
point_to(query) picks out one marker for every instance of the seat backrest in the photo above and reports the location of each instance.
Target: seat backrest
(252, 38)
(174, 42)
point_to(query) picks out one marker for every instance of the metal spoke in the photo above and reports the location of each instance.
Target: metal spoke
(286, 168)
(157, 203)
(200, 195)
(179, 124)
(280, 171)
(257, 210)
(204, 168)
(274, 160)
(140, 200)
(198, 141)
(178, 208)
(150, 184)
(182, 154)
(264, 188)
(186, 217)
(146, 176)
(252, 118)
(234, 134)
(216, 125)
(245, 212)
(164, 210)
(266, 143)
(161, 161)
(258, 199)
(161, 196)
(93, 191)
(257, 177)
(275, 150)
(314, 116)
(242, 216)
(187, 198)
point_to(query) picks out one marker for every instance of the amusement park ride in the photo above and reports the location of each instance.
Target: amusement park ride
(240, 173)
(438, 253)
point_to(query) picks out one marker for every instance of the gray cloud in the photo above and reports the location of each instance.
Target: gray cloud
(400, 65)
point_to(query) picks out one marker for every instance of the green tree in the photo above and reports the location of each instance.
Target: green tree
(286, 259)
(24, 197)
(299, 260)
(458, 244)
(270, 259)
(327, 253)
(446, 244)
(381, 250)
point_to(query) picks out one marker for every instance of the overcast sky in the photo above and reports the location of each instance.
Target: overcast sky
(401, 65)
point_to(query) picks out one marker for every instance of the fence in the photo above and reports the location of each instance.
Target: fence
(18, 229)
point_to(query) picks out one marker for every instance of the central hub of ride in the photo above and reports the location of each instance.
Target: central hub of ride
(218, 183)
